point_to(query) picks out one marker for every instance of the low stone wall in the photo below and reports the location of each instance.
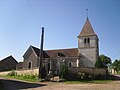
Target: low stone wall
(4, 73)
(28, 71)
(34, 71)
(94, 71)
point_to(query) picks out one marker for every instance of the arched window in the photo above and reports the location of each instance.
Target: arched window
(29, 65)
(70, 64)
(88, 40)
(48, 67)
(85, 40)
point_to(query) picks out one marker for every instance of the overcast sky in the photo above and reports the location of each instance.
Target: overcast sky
(21, 22)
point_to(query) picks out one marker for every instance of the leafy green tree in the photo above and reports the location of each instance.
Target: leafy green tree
(63, 72)
(106, 60)
(99, 63)
(116, 65)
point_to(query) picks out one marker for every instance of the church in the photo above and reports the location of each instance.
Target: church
(85, 55)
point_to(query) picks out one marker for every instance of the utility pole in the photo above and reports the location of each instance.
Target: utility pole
(41, 53)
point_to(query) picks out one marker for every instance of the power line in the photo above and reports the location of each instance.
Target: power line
(32, 11)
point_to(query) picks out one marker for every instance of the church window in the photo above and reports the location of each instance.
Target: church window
(88, 40)
(85, 40)
(70, 64)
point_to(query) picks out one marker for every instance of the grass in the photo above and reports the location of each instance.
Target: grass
(91, 81)
(118, 73)
(33, 78)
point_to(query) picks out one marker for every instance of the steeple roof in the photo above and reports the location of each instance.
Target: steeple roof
(87, 29)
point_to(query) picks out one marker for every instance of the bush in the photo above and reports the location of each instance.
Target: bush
(12, 73)
(73, 76)
(63, 72)
(80, 76)
(100, 77)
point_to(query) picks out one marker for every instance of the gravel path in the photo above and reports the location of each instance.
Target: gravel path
(11, 84)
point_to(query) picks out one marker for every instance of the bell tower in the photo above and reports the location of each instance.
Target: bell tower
(88, 47)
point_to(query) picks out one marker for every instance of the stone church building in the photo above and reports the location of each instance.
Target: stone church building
(84, 56)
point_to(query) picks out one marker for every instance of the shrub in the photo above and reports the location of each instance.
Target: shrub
(63, 72)
(80, 76)
(12, 73)
(100, 77)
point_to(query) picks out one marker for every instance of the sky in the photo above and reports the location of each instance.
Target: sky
(63, 20)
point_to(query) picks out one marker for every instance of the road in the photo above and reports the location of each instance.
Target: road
(11, 84)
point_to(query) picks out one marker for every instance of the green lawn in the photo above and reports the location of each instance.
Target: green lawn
(25, 78)
(33, 78)
(118, 73)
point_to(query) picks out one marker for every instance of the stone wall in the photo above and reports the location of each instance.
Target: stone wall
(34, 71)
(31, 58)
(94, 71)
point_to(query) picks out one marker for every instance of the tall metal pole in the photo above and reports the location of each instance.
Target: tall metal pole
(41, 52)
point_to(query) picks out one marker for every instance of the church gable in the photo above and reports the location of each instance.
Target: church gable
(28, 53)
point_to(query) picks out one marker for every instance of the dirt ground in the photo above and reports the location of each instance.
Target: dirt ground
(61, 86)
(11, 84)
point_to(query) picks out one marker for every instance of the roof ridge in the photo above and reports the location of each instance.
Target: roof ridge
(33, 46)
(53, 49)
(61, 49)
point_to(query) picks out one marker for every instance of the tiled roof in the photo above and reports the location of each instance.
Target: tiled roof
(87, 29)
(72, 52)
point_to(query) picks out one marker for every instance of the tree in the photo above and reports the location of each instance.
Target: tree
(106, 60)
(116, 65)
(63, 72)
(99, 63)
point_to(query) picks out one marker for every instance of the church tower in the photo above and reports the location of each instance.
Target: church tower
(88, 49)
